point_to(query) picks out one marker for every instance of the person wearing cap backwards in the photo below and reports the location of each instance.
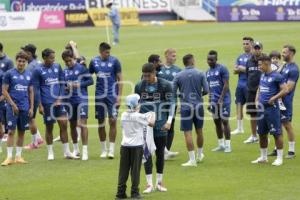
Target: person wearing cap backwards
(115, 20)
(271, 88)
(156, 95)
(33, 63)
(253, 77)
(133, 124)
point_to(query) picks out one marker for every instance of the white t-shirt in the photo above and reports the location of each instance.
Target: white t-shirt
(133, 124)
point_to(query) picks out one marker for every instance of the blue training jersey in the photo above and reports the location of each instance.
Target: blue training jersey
(242, 60)
(106, 72)
(269, 86)
(80, 74)
(50, 82)
(290, 72)
(18, 87)
(6, 63)
(31, 67)
(215, 78)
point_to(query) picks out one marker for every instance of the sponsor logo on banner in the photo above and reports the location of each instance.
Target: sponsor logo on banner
(47, 5)
(52, 19)
(293, 14)
(19, 20)
(77, 18)
(250, 14)
(259, 3)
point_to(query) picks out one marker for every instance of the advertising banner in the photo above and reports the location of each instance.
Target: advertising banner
(75, 18)
(52, 19)
(259, 3)
(258, 13)
(46, 5)
(4, 5)
(19, 20)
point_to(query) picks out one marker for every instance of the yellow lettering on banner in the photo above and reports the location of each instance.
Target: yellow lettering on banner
(77, 17)
(129, 16)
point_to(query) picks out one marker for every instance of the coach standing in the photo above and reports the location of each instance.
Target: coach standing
(253, 77)
(114, 16)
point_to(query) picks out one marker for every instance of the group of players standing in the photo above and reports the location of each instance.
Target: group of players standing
(265, 85)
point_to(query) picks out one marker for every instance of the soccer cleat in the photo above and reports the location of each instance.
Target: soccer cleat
(69, 155)
(20, 160)
(148, 189)
(159, 187)
(123, 196)
(277, 162)
(85, 156)
(200, 158)
(31, 146)
(227, 149)
(290, 155)
(190, 163)
(40, 141)
(76, 153)
(111, 155)
(103, 154)
(237, 131)
(251, 140)
(219, 148)
(170, 154)
(259, 160)
(136, 196)
(7, 161)
(57, 139)
(273, 153)
(50, 156)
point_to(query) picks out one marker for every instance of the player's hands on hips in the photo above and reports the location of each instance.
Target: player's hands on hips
(166, 127)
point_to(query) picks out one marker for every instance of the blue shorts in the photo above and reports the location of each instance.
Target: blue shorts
(20, 121)
(220, 112)
(105, 106)
(241, 95)
(52, 113)
(269, 120)
(190, 116)
(78, 111)
(287, 115)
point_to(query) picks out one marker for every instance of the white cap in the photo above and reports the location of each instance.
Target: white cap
(109, 2)
(132, 101)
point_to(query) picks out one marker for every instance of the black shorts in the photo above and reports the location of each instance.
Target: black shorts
(251, 107)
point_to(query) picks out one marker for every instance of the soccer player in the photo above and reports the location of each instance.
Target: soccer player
(2, 108)
(156, 96)
(33, 63)
(114, 16)
(219, 99)
(78, 79)
(168, 72)
(241, 89)
(253, 77)
(192, 85)
(290, 73)
(49, 78)
(108, 95)
(18, 91)
(5, 64)
(156, 61)
(271, 88)
(133, 124)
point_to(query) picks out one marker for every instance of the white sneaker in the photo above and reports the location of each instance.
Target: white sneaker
(85, 156)
(190, 163)
(237, 131)
(149, 189)
(76, 153)
(111, 155)
(70, 155)
(227, 149)
(259, 160)
(200, 158)
(161, 188)
(219, 148)
(103, 154)
(170, 154)
(57, 139)
(251, 140)
(50, 156)
(277, 162)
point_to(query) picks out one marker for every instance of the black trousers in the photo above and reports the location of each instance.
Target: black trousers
(170, 136)
(131, 160)
(160, 143)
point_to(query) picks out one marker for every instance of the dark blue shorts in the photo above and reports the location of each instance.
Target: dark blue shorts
(20, 121)
(220, 112)
(52, 113)
(241, 95)
(105, 106)
(190, 116)
(269, 120)
(287, 115)
(78, 111)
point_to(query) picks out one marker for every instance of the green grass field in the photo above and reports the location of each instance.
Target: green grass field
(220, 176)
